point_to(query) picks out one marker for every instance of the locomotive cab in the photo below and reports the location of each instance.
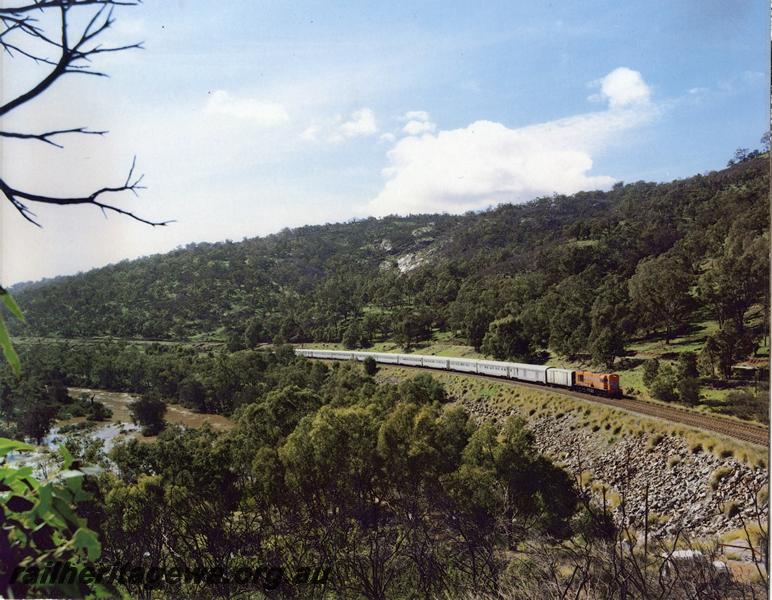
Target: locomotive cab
(605, 384)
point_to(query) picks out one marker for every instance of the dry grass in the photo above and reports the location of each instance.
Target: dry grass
(612, 422)
(730, 508)
(654, 440)
(717, 475)
(754, 533)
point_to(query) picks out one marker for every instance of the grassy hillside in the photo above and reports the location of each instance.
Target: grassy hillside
(597, 278)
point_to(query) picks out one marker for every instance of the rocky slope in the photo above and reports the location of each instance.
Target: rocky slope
(695, 493)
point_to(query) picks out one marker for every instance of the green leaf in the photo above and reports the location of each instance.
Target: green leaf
(7, 446)
(67, 457)
(62, 509)
(8, 351)
(85, 538)
(10, 303)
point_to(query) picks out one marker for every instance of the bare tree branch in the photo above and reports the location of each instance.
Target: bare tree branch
(45, 137)
(70, 57)
(43, 4)
(18, 197)
(22, 35)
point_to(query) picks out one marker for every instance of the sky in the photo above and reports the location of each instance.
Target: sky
(246, 117)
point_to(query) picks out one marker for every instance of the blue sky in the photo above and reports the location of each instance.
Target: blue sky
(247, 117)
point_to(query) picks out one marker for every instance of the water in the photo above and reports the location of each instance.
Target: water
(112, 431)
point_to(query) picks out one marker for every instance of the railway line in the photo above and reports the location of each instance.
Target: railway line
(746, 432)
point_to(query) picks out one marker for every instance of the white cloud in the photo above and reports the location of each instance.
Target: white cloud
(388, 138)
(488, 163)
(416, 115)
(419, 127)
(266, 114)
(622, 87)
(418, 122)
(361, 123)
(310, 133)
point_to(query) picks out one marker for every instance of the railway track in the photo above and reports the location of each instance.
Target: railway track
(746, 432)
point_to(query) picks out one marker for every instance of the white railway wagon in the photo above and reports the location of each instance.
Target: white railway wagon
(392, 359)
(518, 371)
(561, 377)
(435, 362)
(534, 373)
(412, 360)
(466, 365)
(493, 367)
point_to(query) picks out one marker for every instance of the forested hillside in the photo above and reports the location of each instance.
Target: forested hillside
(579, 275)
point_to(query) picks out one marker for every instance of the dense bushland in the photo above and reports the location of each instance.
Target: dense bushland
(579, 275)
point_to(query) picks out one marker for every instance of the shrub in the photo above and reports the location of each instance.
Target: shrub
(724, 452)
(687, 365)
(98, 412)
(370, 366)
(664, 385)
(717, 475)
(689, 390)
(673, 460)
(655, 439)
(747, 405)
(149, 412)
(45, 531)
(650, 371)
(730, 509)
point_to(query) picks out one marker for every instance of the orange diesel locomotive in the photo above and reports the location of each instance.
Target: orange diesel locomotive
(605, 384)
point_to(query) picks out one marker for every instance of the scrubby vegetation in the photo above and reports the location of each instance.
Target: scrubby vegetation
(580, 276)
(366, 471)
(328, 468)
(383, 482)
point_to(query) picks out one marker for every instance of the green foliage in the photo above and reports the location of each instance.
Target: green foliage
(610, 322)
(254, 333)
(650, 371)
(581, 273)
(506, 339)
(370, 366)
(87, 407)
(687, 365)
(664, 384)
(723, 349)
(327, 464)
(37, 417)
(44, 527)
(688, 390)
(148, 411)
(353, 337)
(192, 394)
(477, 327)
(738, 276)
(412, 327)
(606, 345)
(5, 339)
(660, 291)
(748, 404)
(669, 383)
